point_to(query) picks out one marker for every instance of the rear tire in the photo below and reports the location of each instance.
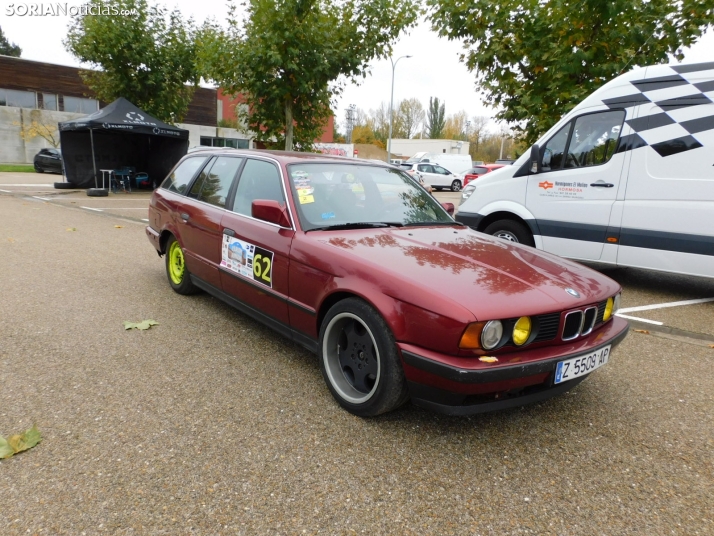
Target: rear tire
(176, 271)
(456, 186)
(512, 231)
(38, 169)
(97, 192)
(359, 360)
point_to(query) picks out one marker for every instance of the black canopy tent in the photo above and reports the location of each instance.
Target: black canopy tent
(119, 135)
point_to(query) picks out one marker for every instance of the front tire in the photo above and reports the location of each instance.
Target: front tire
(38, 169)
(359, 360)
(176, 271)
(512, 231)
(456, 186)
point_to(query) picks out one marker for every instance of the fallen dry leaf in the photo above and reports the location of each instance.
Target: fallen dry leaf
(642, 331)
(11, 240)
(19, 442)
(118, 226)
(71, 228)
(711, 346)
(146, 324)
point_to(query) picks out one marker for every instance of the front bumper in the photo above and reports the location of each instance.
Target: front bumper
(465, 386)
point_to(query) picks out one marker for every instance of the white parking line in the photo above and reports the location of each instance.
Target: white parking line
(94, 209)
(6, 191)
(657, 306)
(31, 185)
(663, 305)
(42, 198)
(144, 219)
(640, 319)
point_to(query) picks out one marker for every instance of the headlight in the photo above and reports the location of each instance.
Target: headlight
(521, 331)
(466, 192)
(491, 334)
(616, 304)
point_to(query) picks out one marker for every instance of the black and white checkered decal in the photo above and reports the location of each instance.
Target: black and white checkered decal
(674, 122)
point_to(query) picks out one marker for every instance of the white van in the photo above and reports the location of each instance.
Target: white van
(626, 178)
(454, 162)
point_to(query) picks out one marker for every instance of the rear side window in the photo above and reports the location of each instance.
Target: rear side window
(479, 170)
(213, 184)
(258, 180)
(181, 176)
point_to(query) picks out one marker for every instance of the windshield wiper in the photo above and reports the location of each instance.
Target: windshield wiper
(432, 223)
(357, 225)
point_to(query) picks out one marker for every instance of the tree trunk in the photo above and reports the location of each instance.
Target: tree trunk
(288, 125)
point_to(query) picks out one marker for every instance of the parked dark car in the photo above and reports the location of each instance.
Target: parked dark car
(356, 262)
(48, 160)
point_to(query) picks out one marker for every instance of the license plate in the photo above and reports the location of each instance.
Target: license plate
(581, 365)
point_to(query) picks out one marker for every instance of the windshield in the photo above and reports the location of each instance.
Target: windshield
(333, 195)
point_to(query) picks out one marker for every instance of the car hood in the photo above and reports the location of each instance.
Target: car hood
(456, 267)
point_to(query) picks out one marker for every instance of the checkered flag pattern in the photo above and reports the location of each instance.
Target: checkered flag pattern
(673, 123)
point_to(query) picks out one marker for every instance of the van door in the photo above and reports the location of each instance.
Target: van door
(668, 214)
(573, 197)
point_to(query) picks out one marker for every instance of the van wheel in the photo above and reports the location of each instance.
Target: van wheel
(456, 186)
(512, 231)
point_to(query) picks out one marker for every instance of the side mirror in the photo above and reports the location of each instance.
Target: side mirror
(449, 207)
(270, 211)
(535, 159)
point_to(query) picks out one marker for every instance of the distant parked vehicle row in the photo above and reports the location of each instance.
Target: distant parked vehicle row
(475, 172)
(48, 160)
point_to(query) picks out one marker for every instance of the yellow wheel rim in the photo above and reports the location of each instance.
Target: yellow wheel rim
(177, 268)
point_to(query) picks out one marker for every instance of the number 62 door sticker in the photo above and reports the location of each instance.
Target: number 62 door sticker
(248, 260)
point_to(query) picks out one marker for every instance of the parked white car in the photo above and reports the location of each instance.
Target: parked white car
(435, 175)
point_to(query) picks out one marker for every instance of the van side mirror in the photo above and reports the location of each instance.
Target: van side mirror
(270, 211)
(449, 207)
(535, 159)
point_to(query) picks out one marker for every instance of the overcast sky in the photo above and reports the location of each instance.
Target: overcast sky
(433, 70)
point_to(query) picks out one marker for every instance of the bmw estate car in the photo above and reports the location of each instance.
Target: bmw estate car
(356, 262)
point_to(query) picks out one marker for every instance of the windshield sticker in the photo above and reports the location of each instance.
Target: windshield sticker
(247, 260)
(328, 215)
(305, 199)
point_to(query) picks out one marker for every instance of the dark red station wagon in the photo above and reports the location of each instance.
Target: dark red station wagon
(355, 261)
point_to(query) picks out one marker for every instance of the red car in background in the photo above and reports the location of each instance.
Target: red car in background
(475, 172)
(358, 263)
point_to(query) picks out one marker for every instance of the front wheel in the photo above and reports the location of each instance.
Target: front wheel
(178, 274)
(456, 186)
(359, 360)
(512, 231)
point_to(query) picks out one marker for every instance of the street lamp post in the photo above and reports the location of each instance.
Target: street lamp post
(391, 111)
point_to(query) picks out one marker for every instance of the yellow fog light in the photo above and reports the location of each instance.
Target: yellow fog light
(521, 331)
(609, 306)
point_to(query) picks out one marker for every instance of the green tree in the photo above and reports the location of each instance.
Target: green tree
(411, 115)
(7, 48)
(435, 118)
(536, 59)
(147, 58)
(290, 58)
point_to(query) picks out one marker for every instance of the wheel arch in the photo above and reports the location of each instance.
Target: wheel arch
(508, 211)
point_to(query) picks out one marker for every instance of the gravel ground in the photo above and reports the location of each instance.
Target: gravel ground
(211, 424)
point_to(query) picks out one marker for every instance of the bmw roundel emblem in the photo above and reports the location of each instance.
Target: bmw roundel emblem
(572, 292)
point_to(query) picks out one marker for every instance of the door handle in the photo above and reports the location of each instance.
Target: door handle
(229, 232)
(184, 216)
(601, 184)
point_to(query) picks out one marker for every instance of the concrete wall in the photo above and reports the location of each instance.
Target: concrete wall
(407, 148)
(15, 150)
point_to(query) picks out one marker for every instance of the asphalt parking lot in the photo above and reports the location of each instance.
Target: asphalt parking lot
(208, 423)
